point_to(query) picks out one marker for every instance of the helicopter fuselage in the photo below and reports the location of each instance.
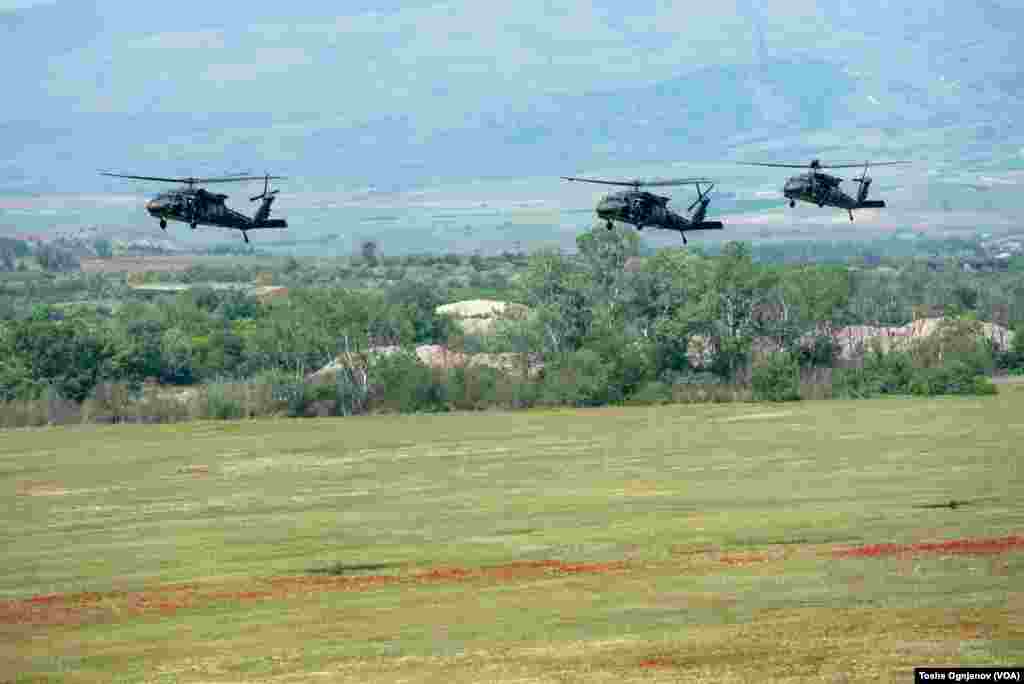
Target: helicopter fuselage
(199, 207)
(642, 209)
(636, 208)
(823, 189)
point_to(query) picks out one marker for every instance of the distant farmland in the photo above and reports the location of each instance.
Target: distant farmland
(167, 264)
(820, 541)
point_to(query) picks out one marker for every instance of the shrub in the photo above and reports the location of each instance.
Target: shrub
(777, 378)
(956, 377)
(314, 400)
(221, 401)
(517, 392)
(822, 351)
(275, 390)
(890, 373)
(401, 383)
(882, 374)
(577, 379)
(852, 383)
(153, 407)
(652, 393)
(24, 413)
(109, 402)
(984, 386)
(471, 388)
(716, 393)
(816, 382)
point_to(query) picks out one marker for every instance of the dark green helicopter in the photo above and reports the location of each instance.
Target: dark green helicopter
(823, 189)
(197, 206)
(641, 209)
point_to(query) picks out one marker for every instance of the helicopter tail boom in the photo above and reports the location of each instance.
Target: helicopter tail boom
(706, 225)
(270, 223)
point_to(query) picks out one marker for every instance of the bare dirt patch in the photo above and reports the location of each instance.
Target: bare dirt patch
(41, 488)
(90, 607)
(140, 264)
(977, 546)
(744, 559)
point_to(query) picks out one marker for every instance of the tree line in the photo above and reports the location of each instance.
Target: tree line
(607, 325)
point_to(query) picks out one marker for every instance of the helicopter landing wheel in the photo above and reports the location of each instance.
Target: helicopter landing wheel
(609, 225)
(194, 225)
(792, 204)
(163, 224)
(639, 227)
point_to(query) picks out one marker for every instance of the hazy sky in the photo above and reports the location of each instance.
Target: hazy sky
(311, 84)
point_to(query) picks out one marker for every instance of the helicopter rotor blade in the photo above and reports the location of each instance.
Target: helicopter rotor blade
(637, 183)
(780, 166)
(823, 166)
(676, 181)
(238, 179)
(151, 178)
(192, 180)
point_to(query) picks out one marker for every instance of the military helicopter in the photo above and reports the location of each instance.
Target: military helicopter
(821, 188)
(642, 209)
(197, 206)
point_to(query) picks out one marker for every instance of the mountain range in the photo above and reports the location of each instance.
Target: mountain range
(409, 97)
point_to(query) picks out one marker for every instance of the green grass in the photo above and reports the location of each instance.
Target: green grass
(678, 493)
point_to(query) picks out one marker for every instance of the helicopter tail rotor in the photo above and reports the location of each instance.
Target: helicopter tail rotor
(865, 185)
(266, 190)
(267, 197)
(699, 207)
(704, 196)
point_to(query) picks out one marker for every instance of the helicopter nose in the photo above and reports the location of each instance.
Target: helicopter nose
(154, 206)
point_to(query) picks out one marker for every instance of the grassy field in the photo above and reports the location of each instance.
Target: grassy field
(722, 543)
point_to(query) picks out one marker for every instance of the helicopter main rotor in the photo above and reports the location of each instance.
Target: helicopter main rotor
(815, 164)
(637, 184)
(191, 180)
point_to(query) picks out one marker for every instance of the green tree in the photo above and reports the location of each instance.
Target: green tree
(668, 305)
(176, 356)
(604, 254)
(728, 304)
(776, 378)
(65, 355)
(556, 290)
